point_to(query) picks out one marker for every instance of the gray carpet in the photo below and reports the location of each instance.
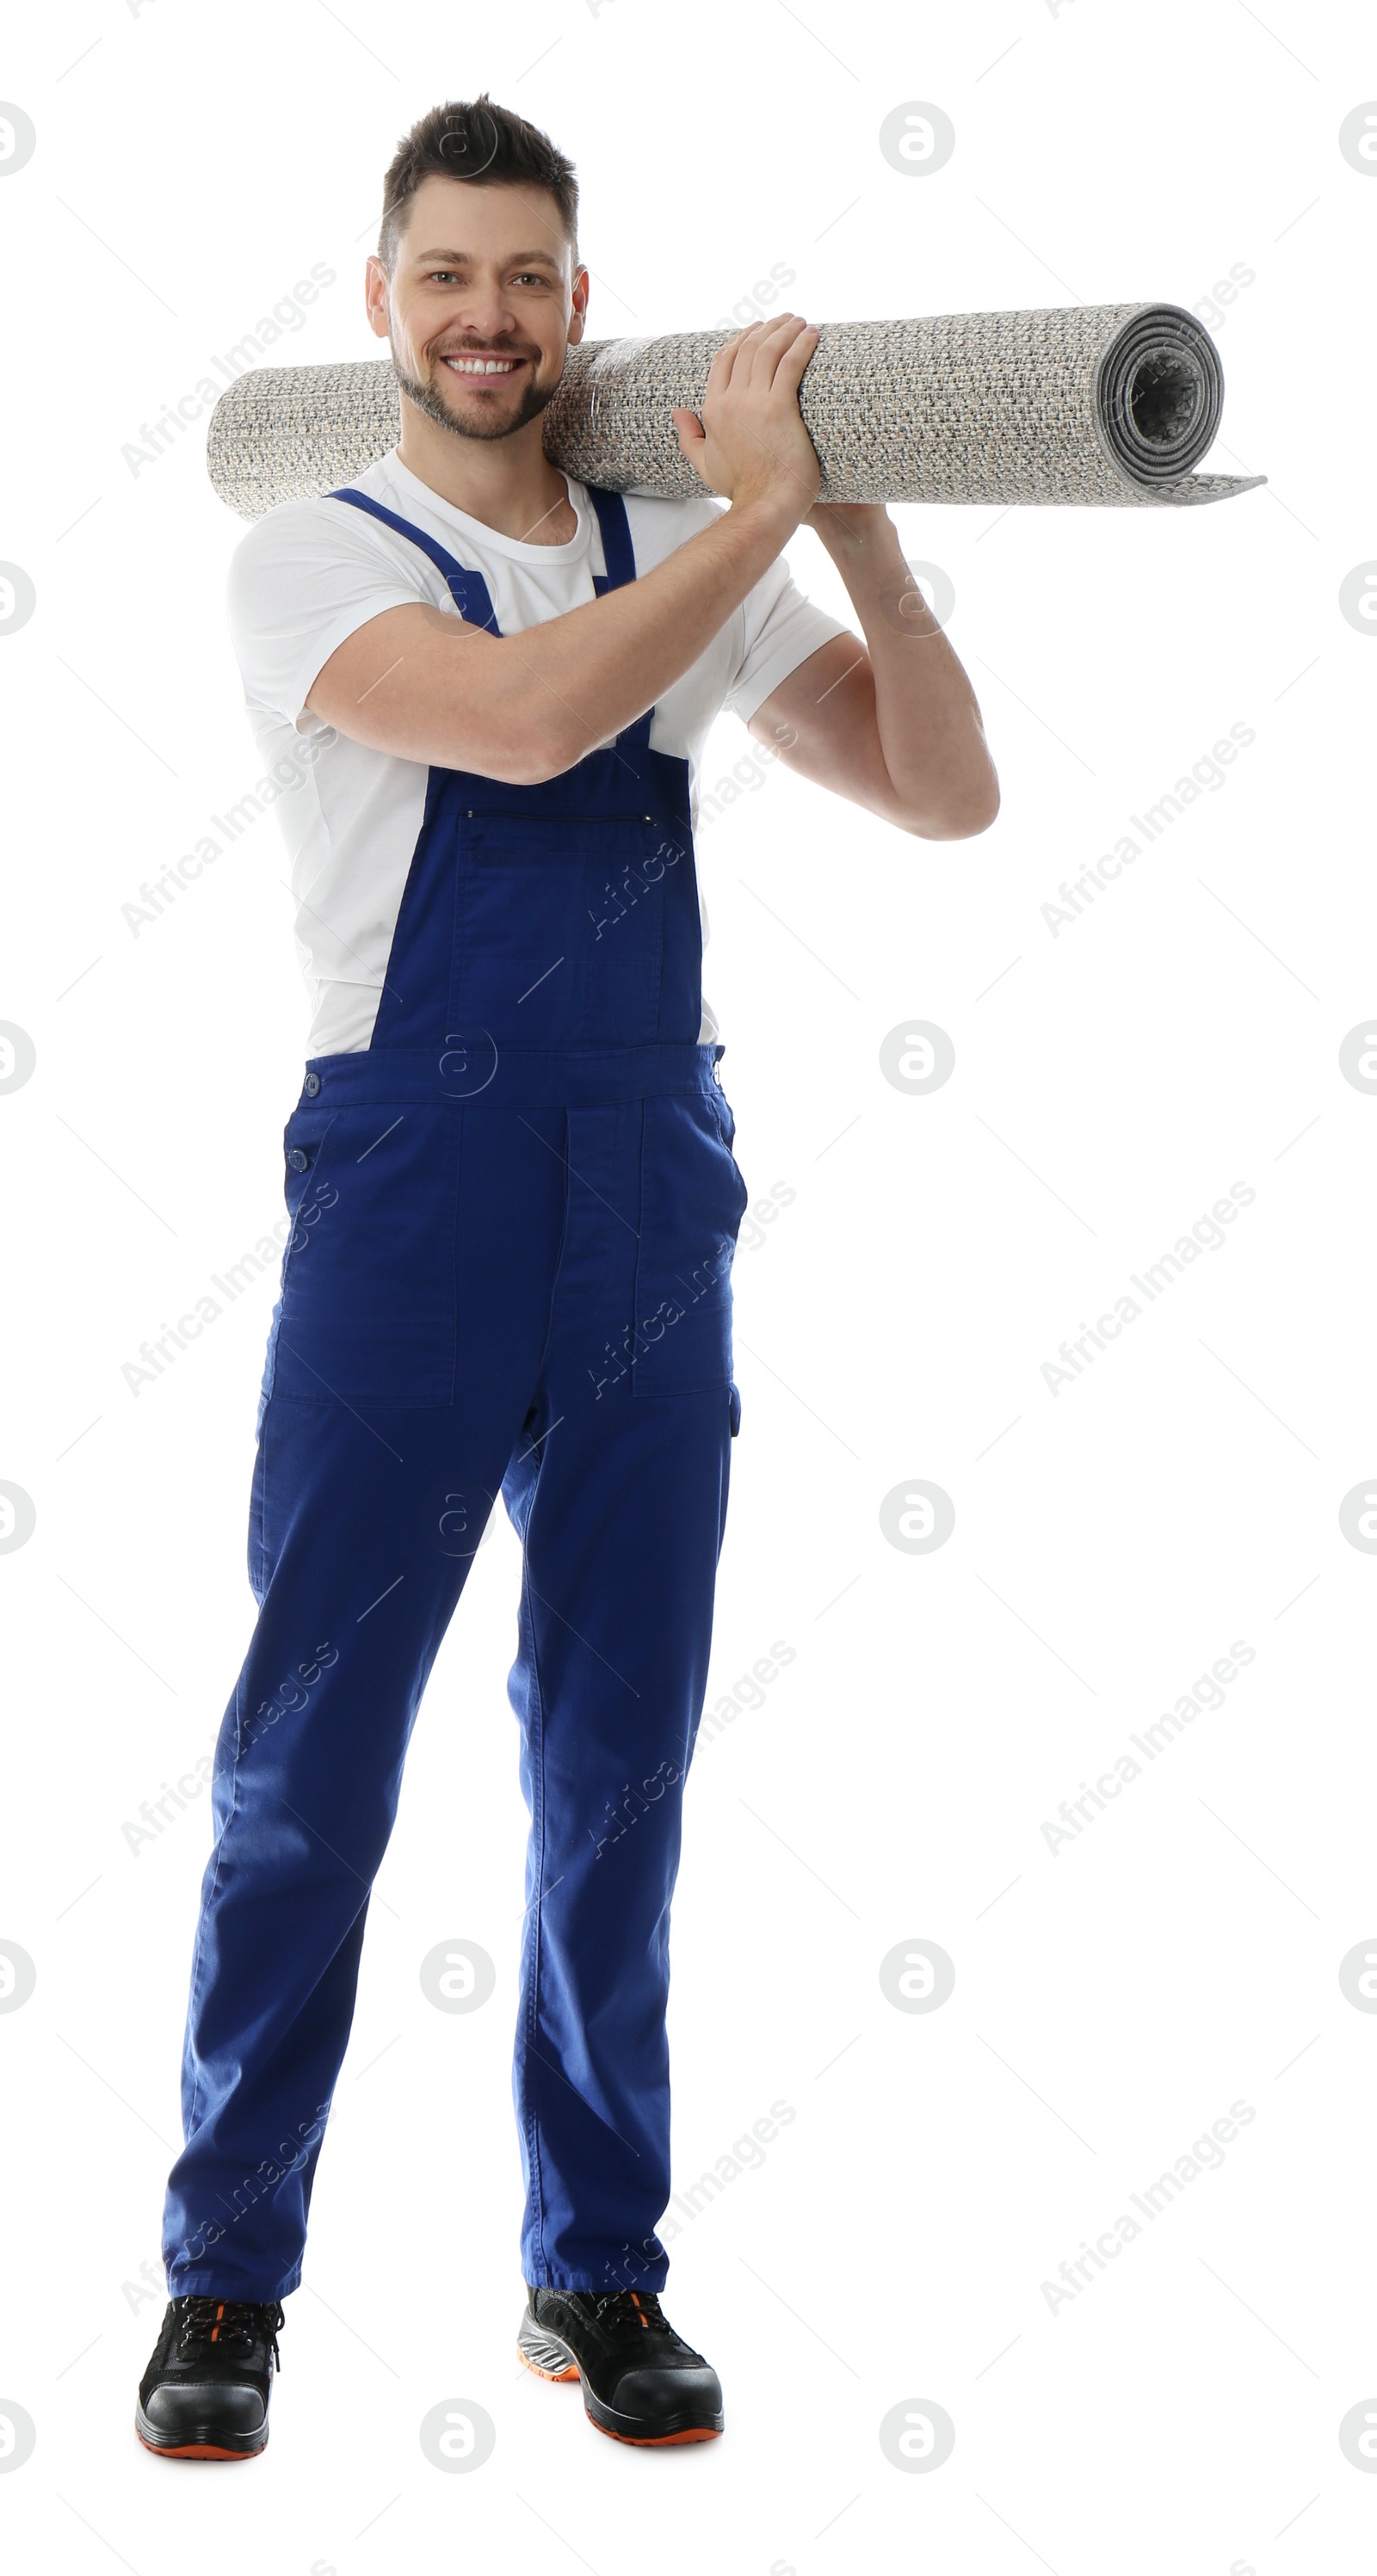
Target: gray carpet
(1102, 403)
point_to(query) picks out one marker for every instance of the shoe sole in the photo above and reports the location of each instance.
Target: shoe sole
(193, 2450)
(547, 2358)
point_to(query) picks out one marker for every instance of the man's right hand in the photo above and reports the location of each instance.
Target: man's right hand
(750, 443)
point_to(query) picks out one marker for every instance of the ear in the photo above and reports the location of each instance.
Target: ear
(579, 300)
(375, 297)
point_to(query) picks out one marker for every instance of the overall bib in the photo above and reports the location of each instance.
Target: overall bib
(513, 1216)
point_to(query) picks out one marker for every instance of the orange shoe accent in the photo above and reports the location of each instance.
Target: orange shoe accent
(552, 2375)
(657, 2441)
(198, 2451)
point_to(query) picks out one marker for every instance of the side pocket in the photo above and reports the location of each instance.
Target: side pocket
(692, 1202)
(306, 1188)
(369, 1293)
(303, 1135)
(726, 1128)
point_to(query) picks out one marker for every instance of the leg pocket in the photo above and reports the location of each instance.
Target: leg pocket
(368, 1295)
(692, 1201)
(304, 1196)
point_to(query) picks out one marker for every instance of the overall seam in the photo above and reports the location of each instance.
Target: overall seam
(538, 1829)
(454, 1278)
(554, 1282)
(538, 1765)
(258, 1506)
(222, 1838)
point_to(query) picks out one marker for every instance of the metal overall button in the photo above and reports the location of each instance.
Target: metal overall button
(299, 1162)
(311, 1085)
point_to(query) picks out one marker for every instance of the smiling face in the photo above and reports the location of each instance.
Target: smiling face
(484, 297)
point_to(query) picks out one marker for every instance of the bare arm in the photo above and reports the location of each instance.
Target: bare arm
(525, 707)
(892, 723)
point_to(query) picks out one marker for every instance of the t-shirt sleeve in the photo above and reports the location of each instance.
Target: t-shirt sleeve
(305, 578)
(780, 629)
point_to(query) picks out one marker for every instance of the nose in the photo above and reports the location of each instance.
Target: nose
(484, 318)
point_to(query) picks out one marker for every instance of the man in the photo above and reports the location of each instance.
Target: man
(514, 1207)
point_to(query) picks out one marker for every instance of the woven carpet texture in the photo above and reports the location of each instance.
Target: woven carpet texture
(1100, 403)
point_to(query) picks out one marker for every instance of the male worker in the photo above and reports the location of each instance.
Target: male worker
(514, 1206)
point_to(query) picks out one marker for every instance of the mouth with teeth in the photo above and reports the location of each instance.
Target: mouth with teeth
(476, 365)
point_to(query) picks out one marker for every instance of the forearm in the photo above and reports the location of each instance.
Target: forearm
(592, 672)
(607, 662)
(931, 738)
(525, 707)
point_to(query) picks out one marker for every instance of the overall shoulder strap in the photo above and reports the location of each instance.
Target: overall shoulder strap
(617, 551)
(468, 590)
(619, 557)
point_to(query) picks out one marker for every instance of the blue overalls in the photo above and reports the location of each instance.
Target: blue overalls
(513, 1216)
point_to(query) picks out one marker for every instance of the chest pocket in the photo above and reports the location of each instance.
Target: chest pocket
(692, 1201)
(559, 927)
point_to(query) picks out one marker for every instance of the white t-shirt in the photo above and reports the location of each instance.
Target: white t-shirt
(312, 572)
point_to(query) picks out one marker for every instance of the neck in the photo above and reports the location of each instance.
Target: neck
(508, 483)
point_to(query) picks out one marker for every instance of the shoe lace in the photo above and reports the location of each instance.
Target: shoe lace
(238, 2322)
(631, 2312)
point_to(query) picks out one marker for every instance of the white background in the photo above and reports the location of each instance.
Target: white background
(1111, 1540)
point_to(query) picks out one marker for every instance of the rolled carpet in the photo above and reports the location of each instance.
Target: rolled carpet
(1097, 403)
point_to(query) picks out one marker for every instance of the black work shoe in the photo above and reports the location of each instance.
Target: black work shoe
(204, 2395)
(641, 2381)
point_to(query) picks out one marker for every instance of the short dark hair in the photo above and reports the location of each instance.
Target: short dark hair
(475, 140)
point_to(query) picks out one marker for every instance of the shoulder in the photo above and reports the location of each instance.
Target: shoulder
(308, 561)
(301, 531)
